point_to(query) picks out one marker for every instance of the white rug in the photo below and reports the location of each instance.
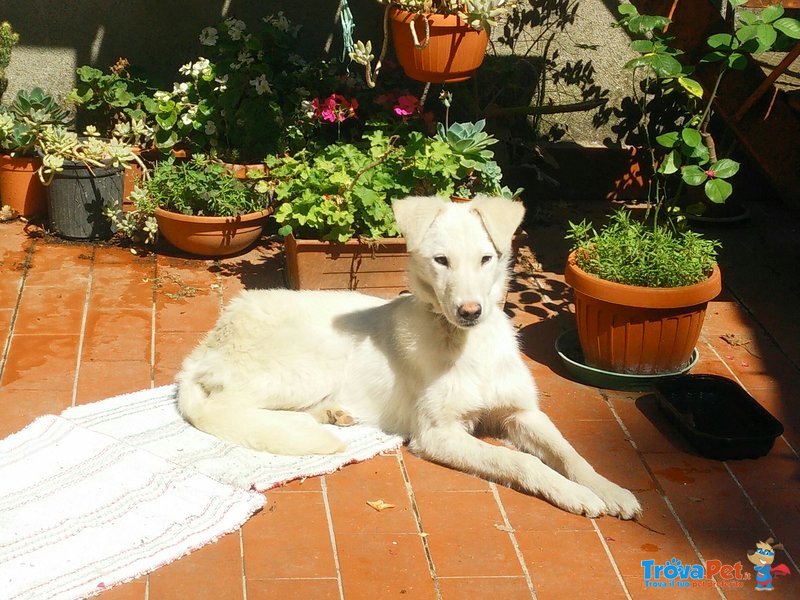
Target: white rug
(112, 490)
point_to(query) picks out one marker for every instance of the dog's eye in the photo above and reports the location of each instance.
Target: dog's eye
(441, 260)
(486, 259)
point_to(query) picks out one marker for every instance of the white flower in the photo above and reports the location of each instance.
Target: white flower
(185, 69)
(261, 84)
(279, 21)
(210, 129)
(208, 37)
(308, 108)
(222, 81)
(235, 28)
(200, 66)
(180, 88)
(243, 59)
(186, 119)
(162, 96)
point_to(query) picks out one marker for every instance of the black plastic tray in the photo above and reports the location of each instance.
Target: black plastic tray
(718, 417)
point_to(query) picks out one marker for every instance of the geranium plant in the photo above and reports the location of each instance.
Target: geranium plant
(244, 99)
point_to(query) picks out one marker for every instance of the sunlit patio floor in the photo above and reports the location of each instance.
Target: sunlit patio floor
(82, 322)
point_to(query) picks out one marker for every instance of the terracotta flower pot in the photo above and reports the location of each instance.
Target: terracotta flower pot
(377, 268)
(240, 170)
(453, 52)
(211, 236)
(638, 330)
(20, 187)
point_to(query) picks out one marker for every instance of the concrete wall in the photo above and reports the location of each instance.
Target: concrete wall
(57, 37)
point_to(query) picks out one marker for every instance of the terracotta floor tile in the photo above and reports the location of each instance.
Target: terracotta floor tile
(465, 534)
(379, 478)
(41, 362)
(383, 565)
(10, 284)
(172, 347)
(51, 310)
(636, 588)
(528, 513)
(18, 408)
(477, 588)
(287, 589)
(564, 400)
(133, 590)
(698, 487)
(427, 476)
(129, 287)
(568, 564)
(98, 380)
(779, 470)
(310, 484)
(6, 316)
(213, 572)
(55, 264)
(109, 346)
(289, 539)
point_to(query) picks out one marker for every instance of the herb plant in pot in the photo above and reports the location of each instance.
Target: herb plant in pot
(20, 127)
(201, 208)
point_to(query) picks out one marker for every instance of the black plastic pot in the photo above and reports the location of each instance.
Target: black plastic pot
(718, 417)
(78, 197)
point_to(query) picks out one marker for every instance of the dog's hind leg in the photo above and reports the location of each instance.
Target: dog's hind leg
(222, 414)
(532, 431)
(453, 446)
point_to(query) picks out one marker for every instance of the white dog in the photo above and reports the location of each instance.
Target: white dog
(433, 366)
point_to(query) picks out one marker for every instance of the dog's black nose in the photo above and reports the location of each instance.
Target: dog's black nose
(470, 311)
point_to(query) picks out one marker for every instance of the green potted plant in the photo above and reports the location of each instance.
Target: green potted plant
(20, 128)
(243, 99)
(437, 41)
(83, 177)
(334, 207)
(8, 39)
(641, 288)
(200, 207)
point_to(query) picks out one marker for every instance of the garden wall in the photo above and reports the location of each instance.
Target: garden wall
(583, 53)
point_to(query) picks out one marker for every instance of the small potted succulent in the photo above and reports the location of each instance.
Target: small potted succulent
(437, 41)
(8, 39)
(335, 205)
(20, 128)
(200, 207)
(83, 176)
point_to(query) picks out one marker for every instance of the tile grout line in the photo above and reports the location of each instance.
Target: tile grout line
(611, 559)
(741, 383)
(324, 485)
(15, 312)
(241, 559)
(418, 520)
(757, 511)
(510, 531)
(84, 318)
(659, 488)
(154, 291)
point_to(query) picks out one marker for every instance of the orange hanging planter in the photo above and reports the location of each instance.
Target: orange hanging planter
(446, 50)
(638, 330)
(20, 187)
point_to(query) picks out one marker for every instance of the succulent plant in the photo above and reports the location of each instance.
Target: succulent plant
(37, 108)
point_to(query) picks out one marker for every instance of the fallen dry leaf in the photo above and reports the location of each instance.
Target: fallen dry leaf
(695, 499)
(379, 505)
(735, 339)
(504, 528)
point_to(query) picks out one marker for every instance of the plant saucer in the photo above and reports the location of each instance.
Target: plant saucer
(569, 350)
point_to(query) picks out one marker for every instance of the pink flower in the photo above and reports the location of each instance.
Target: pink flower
(406, 106)
(335, 108)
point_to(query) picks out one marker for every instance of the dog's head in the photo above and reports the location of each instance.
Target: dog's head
(460, 252)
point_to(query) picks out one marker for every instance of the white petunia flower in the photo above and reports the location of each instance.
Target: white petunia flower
(210, 129)
(208, 37)
(261, 84)
(235, 28)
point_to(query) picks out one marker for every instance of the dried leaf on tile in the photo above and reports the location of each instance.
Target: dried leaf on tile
(379, 505)
(504, 528)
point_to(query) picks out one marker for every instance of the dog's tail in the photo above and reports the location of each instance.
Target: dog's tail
(276, 431)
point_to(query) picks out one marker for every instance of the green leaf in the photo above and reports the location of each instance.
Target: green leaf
(747, 32)
(789, 27)
(668, 140)
(671, 163)
(725, 168)
(737, 61)
(690, 85)
(643, 46)
(720, 40)
(691, 137)
(718, 190)
(693, 175)
(747, 17)
(766, 35)
(664, 65)
(627, 9)
(715, 56)
(771, 13)
(736, 3)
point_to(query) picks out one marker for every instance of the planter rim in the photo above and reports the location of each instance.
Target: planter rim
(7, 159)
(385, 241)
(254, 216)
(439, 19)
(644, 297)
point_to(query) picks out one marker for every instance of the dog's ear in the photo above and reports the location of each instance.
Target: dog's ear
(414, 216)
(500, 217)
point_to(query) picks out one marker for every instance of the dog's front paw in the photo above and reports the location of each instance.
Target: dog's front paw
(580, 500)
(619, 501)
